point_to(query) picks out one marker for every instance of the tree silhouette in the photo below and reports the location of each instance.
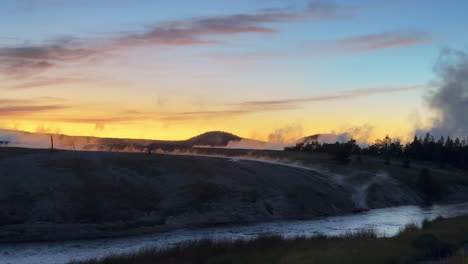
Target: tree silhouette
(444, 151)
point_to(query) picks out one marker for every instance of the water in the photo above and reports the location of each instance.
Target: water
(387, 222)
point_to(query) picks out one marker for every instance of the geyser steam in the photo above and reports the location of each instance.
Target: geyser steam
(450, 100)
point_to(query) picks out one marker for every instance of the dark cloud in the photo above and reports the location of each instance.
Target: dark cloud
(30, 59)
(21, 68)
(450, 99)
(383, 41)
(26, 60)
(60, 51)
(195, 31)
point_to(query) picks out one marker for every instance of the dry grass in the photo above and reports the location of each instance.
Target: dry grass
(443, 178)
(8, 152)
(361, 247)
(202, 193)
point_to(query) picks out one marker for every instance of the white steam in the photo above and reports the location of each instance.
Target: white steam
(450, 99)
(285, 135)
(361, 134)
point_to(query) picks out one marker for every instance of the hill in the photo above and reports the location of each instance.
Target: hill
(85, 194)
(323, 138)
(213, 139)
(42, 140)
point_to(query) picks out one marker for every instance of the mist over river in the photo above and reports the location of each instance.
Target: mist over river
(387, 222)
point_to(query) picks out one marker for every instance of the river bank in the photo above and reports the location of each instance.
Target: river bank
(70, 195)
(439, 241)
(385, 222)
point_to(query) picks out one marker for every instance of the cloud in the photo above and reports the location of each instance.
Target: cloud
(250, 107)
(242, 58)
(182, 116)
(191, 32)
(98, 122)
(59, 50)
(10, 111)
(28, 60)
(13, 101)
(134, 116)
(196, 31)
(21, 68)
(327, 10)
(101, 120)
(383, 40)
(32, 59)
(232, 110)
(41, 82)
(339, 96)
(13, 107)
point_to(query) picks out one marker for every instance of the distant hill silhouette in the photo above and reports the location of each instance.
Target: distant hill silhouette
(316, 138)
(308, 139)
(213, 139)
(41, 140)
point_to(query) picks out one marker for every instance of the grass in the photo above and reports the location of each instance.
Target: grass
(139, 163)
(8, 152)
(106, 196)
(202, 193)
(143, 163)
(69, 163)
(116, 198)
(443, 178)
(124, 190)
(361, 247)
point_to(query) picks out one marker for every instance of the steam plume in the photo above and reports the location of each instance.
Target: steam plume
(450, 100)
(284, 135)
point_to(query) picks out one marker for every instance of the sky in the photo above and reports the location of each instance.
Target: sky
(172, 69)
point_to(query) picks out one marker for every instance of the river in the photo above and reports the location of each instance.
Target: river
(386, 221)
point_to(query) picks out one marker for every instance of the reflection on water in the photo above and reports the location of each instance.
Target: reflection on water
(387, 222)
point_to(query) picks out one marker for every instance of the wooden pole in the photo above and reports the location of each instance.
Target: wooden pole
(51, 143)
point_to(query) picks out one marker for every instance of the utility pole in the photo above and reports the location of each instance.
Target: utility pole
(51, 143)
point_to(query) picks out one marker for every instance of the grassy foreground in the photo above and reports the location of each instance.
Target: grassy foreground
(440, 239)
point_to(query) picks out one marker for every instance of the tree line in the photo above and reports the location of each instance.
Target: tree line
(443, 151)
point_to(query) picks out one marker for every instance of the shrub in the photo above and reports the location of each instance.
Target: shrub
(406, 163)
(431, 247)
(426, 185)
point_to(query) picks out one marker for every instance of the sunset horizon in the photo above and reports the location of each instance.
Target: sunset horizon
(251, 69)
(233, 132)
